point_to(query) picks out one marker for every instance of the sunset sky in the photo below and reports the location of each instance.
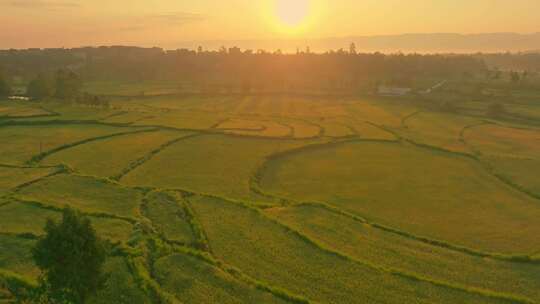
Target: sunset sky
(69, 23)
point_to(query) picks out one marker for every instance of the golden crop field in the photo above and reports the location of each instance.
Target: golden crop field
(277, 199)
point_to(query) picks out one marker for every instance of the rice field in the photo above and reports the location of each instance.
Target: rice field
(27, 141)
(169, 216)
(278, 199)
(426, 192)
(16, 256)
(109, 157)
(512, 153)
(438, 129)
(366, 242)
(213, 164)
(20, 218)
(190, 278)
(273, 253)
(11, 177)
(11, 109)
(131, 88)
(121, 286)
(85, 193)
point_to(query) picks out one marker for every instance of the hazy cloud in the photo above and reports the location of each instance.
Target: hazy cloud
(178, 18)
(130, 28)
(42, 4)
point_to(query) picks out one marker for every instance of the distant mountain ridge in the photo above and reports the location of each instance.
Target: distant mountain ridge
(407, 43)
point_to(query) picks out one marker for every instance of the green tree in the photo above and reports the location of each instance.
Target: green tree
(5, 89)
(41, 87)
(70, 256)
(68, 85)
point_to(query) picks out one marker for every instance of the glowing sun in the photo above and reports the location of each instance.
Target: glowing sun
(292, 13)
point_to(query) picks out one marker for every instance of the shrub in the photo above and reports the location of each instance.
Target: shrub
(70, 256)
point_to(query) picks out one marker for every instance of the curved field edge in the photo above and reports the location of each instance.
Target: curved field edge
(239, 275)
(20, 286)
(38, 158)
(139, 162)
(255, 179)
(489, 167)
(278, 291)
(17, 196)
(256, 187)
(438, 243)
(412, 277)
(60, 169)
(141, 268)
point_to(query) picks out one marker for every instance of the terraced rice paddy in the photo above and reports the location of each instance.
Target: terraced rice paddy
(423, 191)
(120, 152)
(12, 177)
(190, 278)
(511, 152)
(28, 141)
(214, 164)
(277, 199)
(21, 110)
(438, 129)
(26, 217)
(363, 241)
(85, 193)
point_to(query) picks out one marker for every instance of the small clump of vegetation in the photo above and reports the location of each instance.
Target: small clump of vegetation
(5, 88)
(70, 256)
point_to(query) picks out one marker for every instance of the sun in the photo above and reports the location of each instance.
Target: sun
(292, 13)
(290, 17)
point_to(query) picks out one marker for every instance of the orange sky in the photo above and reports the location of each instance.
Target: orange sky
(56, 23)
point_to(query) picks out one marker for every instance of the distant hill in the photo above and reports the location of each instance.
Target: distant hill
(422, 43)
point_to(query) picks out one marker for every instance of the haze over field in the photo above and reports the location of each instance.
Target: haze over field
(269, 151)
(269, 24)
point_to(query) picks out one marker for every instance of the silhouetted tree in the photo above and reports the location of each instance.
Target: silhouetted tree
(70, 256)
(68, 84)
(524, 75)
(41, 87)
(515, 77)
(5, 89)
(497, 75)
(307, 70)
(352, 49)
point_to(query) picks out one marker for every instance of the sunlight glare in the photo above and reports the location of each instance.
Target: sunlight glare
(292, 13)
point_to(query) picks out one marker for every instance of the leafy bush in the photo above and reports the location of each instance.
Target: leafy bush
(71, 258)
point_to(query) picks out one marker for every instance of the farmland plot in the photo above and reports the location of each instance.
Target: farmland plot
(274, 254)
(363, 241)
(214, 164)
(28, 141)
(424, 191)
(109, 157)
(85, 193)
(512, 153)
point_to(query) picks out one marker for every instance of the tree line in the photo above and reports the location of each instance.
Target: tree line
(230, 69)
(5, 87)
(64, 85)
